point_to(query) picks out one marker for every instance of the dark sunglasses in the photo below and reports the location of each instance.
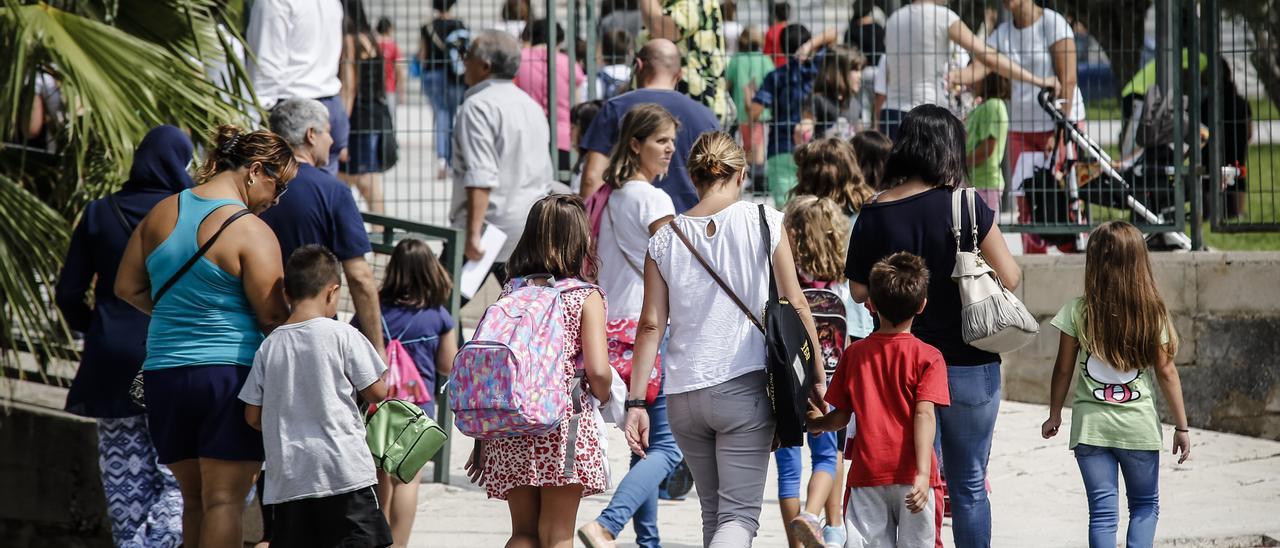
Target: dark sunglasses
(280, 186)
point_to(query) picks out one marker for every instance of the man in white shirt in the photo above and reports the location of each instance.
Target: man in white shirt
(297, 45)
(501, 164)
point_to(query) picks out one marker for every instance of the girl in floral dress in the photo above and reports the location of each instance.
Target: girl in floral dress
(541, 485)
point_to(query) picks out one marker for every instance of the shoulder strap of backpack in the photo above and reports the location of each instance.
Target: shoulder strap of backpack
(196, 257)
(766, 237)
(734, 296)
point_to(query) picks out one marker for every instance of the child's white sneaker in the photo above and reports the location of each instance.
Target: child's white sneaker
(806, 528)
(834, 537)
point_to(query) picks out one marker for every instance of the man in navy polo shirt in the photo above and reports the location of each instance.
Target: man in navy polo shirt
(319, 209)
(658, 72)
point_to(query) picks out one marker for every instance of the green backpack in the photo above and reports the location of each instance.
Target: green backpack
(402, 438)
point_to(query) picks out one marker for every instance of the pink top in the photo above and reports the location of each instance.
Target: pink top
(532, 78)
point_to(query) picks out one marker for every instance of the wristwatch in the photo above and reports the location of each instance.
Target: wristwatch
(641, 403)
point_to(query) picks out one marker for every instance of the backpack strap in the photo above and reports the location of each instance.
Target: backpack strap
(575, 421)
(609, 210)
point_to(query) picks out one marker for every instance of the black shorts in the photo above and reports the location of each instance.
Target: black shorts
(348, 520)
(194, 412)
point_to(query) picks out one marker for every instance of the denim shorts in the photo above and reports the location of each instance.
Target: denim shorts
(194, 412)
(364, 154)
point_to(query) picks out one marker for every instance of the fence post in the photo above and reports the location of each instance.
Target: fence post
(551, 86)
(1211, 26)
(591, 51)
(1195, 182)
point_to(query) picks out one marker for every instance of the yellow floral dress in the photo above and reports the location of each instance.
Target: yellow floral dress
(701, 44)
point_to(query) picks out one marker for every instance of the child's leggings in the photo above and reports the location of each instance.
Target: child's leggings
(822, 451)
(1141, 471)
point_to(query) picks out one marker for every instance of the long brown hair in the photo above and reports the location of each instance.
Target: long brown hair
(1124, 316)
(556, 241)
(639, 124)
(872, 149)
(233, 148)
(820, 232)
(834, 76)
(414, 277)
(828, 168)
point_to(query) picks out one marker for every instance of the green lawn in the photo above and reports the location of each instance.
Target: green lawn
(1109, 109)
(1263, 205)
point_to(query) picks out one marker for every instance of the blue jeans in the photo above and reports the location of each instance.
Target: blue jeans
(339, 129)
(1141, 471)
(445, 94)
(965, 429)
(636, 497)
(822, 453)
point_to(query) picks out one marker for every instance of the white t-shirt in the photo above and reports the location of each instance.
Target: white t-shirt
(306, 376)
(622, 246)
(297, 45)
(918, 52)
(1029, 48)
(711, 340)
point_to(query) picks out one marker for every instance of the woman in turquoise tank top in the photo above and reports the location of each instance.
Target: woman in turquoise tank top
(207, 323)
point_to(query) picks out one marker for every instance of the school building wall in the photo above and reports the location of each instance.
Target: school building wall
(1226, 308)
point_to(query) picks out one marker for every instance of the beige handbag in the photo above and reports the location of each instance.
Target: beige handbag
(991, 317)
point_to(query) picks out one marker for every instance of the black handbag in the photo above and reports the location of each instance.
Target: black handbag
(789, 353)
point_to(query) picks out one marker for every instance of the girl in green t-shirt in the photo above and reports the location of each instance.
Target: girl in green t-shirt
(1114, 339)
(987, 129)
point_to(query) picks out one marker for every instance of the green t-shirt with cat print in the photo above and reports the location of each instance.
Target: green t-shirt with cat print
(1111, 408)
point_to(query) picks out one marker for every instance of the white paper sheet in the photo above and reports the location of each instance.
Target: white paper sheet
(474, 272)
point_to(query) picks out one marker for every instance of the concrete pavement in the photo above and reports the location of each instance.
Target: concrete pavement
(1226, 495)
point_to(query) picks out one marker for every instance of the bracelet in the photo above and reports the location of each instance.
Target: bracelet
(1176, 429)
(641, 403)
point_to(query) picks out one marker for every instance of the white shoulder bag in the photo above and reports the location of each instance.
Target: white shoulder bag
(991, 317)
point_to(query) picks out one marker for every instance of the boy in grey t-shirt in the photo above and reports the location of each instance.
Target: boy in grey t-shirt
(301, 393)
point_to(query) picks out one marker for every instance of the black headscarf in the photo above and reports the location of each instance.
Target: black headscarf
(160, 162)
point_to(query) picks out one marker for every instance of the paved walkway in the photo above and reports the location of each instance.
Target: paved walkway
(1227, 494)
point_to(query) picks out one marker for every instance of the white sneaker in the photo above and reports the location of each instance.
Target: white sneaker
(834, 537)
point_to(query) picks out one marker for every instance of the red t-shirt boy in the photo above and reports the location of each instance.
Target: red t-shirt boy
(891, 382)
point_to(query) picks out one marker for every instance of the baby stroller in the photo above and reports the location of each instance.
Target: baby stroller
(1146, 186)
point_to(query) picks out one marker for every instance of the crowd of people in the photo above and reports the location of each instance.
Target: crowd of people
(222, 289)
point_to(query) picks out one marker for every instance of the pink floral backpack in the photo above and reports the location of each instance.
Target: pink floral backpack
(507, 380)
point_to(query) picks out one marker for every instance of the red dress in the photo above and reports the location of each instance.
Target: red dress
(538, 461)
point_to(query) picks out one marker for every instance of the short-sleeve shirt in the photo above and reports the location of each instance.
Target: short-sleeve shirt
(784, 91)
(500, 138)
(1111, 408)
(532, 78)
(624, 242)
(318, 209)
(918, 50)
(695, 119)
(880, 380)
(1030, 48)
(746, 72)
(701, 45)
(921, 224)
(989, 120)
(306, 377)
(712, 341)
(419, 330)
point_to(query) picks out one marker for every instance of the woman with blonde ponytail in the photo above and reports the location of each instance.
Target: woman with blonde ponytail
(715, 360)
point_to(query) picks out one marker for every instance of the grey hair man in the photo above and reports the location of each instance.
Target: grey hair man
(319, 209)
(501, 161)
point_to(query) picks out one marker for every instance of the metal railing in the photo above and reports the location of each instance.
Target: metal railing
(1123, 46)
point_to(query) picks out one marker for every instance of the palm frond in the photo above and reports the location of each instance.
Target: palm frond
(32, 237)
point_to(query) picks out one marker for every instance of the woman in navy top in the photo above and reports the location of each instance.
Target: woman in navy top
(414, 291)
(115, 337)
(913, 214)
